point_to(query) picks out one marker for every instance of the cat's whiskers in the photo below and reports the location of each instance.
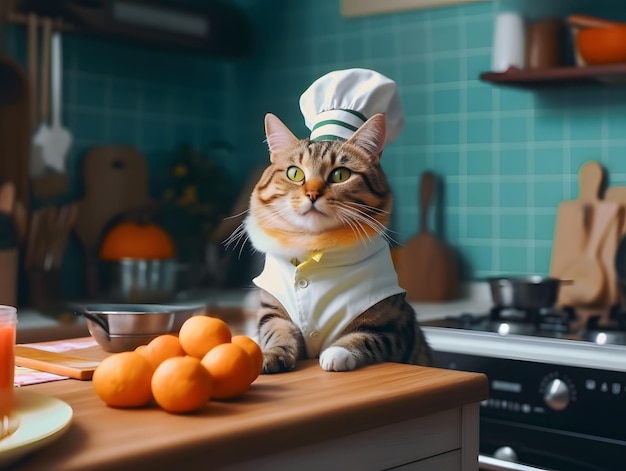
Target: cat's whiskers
(237, 237)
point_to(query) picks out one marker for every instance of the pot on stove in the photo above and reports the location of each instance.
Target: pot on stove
(524, 292)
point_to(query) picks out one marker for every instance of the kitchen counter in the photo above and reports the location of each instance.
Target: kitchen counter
(33, 326)
(377, 417)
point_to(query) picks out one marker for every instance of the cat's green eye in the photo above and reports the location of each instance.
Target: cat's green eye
(295, 174)
(339, 175)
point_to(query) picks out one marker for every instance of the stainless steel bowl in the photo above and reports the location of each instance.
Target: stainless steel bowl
(124, 327)
(138, 281)
(525, 292)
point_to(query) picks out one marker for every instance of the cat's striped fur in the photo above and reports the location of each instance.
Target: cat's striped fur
(327, 196)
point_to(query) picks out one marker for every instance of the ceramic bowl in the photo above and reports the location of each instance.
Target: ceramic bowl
(599, 46)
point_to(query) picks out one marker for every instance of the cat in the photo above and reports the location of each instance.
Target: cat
(320, 212)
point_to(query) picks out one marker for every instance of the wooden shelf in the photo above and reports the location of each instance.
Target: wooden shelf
(614, 74)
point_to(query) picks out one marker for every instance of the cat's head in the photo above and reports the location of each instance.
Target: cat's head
(319, 195)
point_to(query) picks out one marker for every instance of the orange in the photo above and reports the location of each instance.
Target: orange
(181, 384)
(231, 369)
(137, 240)
(252, 348)
(602, 45)
(123, 380)
(161, 348)
(199, 334)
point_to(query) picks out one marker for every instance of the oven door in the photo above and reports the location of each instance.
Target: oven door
(488, 463)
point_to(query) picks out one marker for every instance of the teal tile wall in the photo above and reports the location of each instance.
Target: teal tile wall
(506, 157)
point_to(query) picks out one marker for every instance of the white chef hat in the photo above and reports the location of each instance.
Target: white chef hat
(338, 103)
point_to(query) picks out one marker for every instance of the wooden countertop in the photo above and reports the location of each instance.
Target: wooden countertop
(280, 411)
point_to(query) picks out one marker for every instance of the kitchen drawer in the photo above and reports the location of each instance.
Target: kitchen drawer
(430, 443)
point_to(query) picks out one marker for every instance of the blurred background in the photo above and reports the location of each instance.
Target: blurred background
(187, 117)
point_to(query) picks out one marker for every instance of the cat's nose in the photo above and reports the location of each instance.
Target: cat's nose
(312, 194)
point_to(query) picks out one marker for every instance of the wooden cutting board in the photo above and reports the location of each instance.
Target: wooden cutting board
(116, 182)
(77, 364)
(586, 229)
(426, 265)
(616, 194)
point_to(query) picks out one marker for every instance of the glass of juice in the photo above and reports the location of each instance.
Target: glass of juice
(8, 324)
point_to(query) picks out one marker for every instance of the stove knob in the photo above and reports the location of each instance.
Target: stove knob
(556, 394)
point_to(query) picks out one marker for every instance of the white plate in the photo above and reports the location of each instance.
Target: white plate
(42, 420)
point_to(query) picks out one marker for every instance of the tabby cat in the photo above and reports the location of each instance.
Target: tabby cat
(319, 212)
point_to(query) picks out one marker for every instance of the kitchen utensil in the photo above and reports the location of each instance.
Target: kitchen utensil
(137, 281)
(72, 364)
(524, 292)
(509, 42)
(43, 137)
(122, 327)
(609, 248)
(618, 194)
(586, 270)
(575, 223)
(426, 266)
(59, 139)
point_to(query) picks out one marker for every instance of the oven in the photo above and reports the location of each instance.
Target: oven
(557, 401)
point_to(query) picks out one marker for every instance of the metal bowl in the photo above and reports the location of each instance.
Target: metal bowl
(525, 292)
(124, 327)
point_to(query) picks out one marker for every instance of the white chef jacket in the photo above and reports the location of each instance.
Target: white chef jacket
(329, 290)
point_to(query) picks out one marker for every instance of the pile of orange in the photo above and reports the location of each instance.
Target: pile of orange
(183, 372)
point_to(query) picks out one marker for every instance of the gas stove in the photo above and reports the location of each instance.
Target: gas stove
(556, 381)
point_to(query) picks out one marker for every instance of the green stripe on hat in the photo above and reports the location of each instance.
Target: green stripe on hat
(328, 137)
(336, 122)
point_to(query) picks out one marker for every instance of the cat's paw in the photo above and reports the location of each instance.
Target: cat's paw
(277, 360)
(338, 359)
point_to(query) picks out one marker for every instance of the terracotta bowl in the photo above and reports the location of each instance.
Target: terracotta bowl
(598, 46)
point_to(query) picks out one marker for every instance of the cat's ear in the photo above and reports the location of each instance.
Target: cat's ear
(371, 135)
(279, 137)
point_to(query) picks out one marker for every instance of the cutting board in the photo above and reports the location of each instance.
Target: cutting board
(616, 194)
(426, 265)
(116, 181)
(585, 231)
(77, 364)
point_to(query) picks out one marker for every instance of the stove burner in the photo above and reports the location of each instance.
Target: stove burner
(613, 333)
(545, 322)
(542, 322)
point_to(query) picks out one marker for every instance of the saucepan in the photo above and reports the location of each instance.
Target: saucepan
(124, 327)
(525, 292)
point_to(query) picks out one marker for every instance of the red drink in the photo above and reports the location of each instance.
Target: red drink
(8, 322)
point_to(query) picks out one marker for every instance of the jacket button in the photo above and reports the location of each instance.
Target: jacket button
(303, 283)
